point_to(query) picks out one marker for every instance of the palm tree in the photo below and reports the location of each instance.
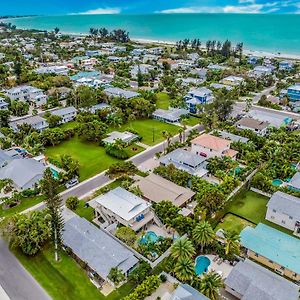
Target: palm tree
(180, 131)
(56, 30)
(231, 242)
(183, 248)
(203, 234)
(210, 284)
(184, 269)
(167, 136)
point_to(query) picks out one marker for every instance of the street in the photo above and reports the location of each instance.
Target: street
(15, 280)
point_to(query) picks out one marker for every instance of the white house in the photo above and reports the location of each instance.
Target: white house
(207, 145)
(232, 80)
(122, 207)
(67, 114)
(3, 104)
(126, 137)
(259, 127)
(284, 210)
(36, 122)
(58, 70)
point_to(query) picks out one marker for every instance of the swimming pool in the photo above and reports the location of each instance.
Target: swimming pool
(201, 264)
(277, 182)
(149, 237)
(54, 173)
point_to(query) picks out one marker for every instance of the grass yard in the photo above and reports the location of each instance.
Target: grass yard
(85, 212)
(148, 129)
(65, 280)
(192, 121)
(233, 223)
(25, 203)
(92, 158)
(163, 100)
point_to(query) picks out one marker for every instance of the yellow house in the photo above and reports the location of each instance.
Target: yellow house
(274, 249)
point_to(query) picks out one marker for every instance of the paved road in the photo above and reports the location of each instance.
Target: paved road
(15, 280)
(265, 92)
(93, 183)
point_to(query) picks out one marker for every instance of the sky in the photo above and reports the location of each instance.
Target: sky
(58, 7)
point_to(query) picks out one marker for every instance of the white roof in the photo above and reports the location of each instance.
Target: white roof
(123, 203)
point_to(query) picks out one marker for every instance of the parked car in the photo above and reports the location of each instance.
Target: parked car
(72, 183)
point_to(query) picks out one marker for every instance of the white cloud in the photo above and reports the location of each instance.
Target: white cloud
(100, 11)
(242, 9)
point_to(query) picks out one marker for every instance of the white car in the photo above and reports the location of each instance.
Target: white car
(72, 183)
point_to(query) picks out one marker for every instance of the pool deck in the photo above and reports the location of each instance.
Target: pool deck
(223, 269)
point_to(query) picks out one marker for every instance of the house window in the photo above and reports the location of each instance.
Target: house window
(256, 254)
(274, 210)
(291, 218)
(282, 268)
(272, 217)
(283, 222)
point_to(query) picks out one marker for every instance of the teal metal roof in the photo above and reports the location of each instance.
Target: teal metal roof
(274, 245)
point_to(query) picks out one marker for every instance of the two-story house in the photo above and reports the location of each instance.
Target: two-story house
(286, 65)
(122, 207)
(284, 209)
(293, 92)
(197, 97)
(207, 145)
(67, 114)
(36, 122)
(259, 127)
(232, 80)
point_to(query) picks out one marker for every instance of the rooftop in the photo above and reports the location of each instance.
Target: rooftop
(117, 92)
(96, 247)
(274, 245)
(211, 142)
(157, 189)
(125, 136)
(64, 111)
(186, 292)
(253, 123)
(253, 281)
(286, 204)
(172, 114)
(123, 203)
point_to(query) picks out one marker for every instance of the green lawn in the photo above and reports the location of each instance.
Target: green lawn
(192, 121)
(25, 203)
(92, 158)
(150, 130)
(163, 100)
(233, 223)
(85, 212)
(65, 280)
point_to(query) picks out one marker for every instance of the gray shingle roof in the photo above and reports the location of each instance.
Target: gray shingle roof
(286, 204)
(64, 111)
(295, 181)
(172, 115)
(253, 281)
(4, 158)
(186, 292)
(98, 249)
(117, 92)
(233, 137)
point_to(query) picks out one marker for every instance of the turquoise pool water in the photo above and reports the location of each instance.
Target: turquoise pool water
(54, 173)
(149, 237)
(201, 264)
(277, 182)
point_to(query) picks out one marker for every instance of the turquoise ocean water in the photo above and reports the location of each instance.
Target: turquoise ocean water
(273, 33)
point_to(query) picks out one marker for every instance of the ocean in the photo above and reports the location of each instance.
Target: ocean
(260, 32)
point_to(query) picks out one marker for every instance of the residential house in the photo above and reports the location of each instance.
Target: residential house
(273, 248)
(293, 92)
(259, 127)
(36, 122)
(67, 114)
(142, 68)
(186, 161)
(197, 97)
(156, 189)
(260, 71)
(122, 207)
(93, 109)
(97, 248)
(3, 104)
(92, 53)
(58, 70)
(200, 72)
(25, 173)
(216, 67)
(186, 292)
(126, 137)
(219, 86)
(233, 137)
(4, 158)
(115, 59)
(294, 183)
(207, 145)
(193, 56)
(88, 74)
(284, 210)
(150, 58)
(137, 52)
(248, 281)
(286, 65)
(118, 92)
(232, 80)
(155, 50)
(172, 115)
(252, 60)
(190, 81)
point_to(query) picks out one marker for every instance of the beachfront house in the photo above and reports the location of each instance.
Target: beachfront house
(187, 161)
(197, 97)
(286, 65)
(156, 189)
(172, 115)
(284, 210)
(274, 249)
(97, 248)
(293, 92)
(207, 145)
(232, 80)
(252, 60)
(67, 114)
(260, 71)
(118, 92)
(248, 280)
(258, 127)
(36, 122)
(119, 206)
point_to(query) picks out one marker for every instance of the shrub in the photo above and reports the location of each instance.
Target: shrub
(72, 203)
(163, 278)
(127, 235)
(139, 274)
